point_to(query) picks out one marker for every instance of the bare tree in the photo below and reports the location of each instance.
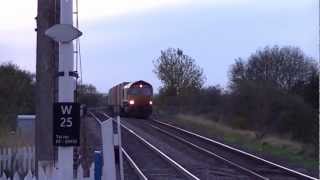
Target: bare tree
(283, 67)
(276, 88)
(178, 72)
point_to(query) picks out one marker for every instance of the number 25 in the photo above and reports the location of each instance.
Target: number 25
(66, 122)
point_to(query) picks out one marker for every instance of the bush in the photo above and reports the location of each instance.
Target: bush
(240, 123)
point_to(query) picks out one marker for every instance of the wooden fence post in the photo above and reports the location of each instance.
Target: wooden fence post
(29, 176)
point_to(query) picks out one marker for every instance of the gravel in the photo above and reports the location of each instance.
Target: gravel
(197, 163)
(150, 163)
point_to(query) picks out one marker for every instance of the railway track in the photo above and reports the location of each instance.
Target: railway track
(153, 163)
(240, 159)
(203, 165)
(253, 167)
(145, 160)
(131, 171)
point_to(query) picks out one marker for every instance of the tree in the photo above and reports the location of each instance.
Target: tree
(16, 92)
(275, 90)
(283, 67)
(88, 94)
(309, 89)
(178, 73)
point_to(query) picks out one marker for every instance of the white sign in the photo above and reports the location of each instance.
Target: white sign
(63, 33)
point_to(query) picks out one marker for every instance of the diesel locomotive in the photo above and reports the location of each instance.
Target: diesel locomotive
(132, 99)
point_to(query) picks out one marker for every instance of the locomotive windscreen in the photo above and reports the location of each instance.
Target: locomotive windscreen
(140, 91)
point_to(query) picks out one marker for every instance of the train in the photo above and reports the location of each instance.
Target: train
(131, 99)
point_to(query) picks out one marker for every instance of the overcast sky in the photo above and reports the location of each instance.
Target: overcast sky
(122, 37)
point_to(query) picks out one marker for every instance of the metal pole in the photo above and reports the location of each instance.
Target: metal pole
(66, 87)
(120, 148)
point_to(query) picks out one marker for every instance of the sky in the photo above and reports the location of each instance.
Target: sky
(122, 38)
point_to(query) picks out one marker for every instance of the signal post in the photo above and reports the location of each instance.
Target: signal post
(66, 112)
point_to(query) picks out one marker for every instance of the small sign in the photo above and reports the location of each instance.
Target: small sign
(66, 124)
(63, 33)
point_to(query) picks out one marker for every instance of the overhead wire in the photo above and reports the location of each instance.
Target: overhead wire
(78, 58)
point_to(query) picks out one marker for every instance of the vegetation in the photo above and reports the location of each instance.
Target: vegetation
(178, 73)
(275, 91)
(280, 147)
(16, 95)
(88, 94)
(272, 93)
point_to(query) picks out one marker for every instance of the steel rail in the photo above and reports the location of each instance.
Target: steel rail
(289, 171)
(95, 117)
(106, 115)
(180, 168)
(246, 170)
(134, 166)
(99, 119)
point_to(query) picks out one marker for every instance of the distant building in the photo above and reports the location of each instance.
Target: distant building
(26, 127)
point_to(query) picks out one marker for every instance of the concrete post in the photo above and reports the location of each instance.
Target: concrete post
(109, 169)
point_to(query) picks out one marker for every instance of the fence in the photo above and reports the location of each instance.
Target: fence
(18, 161)
(18, 164)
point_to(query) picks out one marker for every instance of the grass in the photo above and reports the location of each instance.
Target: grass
(282, 148)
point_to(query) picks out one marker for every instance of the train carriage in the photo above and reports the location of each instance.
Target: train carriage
(131, 99)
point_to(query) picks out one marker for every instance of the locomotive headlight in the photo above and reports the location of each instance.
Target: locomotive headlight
(131, 102)
(150, 102)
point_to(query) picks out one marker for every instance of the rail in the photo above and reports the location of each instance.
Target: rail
(134, 166)
(289, 171)
(163, 155)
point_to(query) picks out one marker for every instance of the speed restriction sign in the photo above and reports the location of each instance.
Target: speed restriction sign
(66, 124)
